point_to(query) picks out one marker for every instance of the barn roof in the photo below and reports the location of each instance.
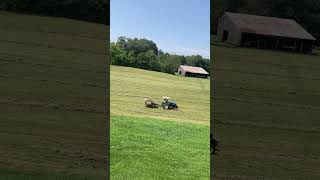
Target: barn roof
(269, 26)
(193, 69)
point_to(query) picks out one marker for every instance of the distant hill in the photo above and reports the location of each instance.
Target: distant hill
(87, 10)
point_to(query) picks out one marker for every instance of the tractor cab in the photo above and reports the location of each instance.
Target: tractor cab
(165, 98)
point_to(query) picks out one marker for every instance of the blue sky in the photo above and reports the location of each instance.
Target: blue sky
(176, 26)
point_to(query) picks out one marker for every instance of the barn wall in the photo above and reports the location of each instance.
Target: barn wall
(220, 28)
(234, 34)
(183, 73)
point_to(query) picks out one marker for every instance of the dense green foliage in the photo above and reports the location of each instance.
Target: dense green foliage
(88, 10)
(305, 12)
(144, 54)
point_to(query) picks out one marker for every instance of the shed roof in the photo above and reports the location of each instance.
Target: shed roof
(193, 69)
(269, 26)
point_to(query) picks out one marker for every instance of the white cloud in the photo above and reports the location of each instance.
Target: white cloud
(180, 50)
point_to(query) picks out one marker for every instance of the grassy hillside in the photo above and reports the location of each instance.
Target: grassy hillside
(129, 86)
(155, 143)
(52, 110)
(266, 114)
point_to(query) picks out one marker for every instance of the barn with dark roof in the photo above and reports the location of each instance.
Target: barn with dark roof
(264, 32)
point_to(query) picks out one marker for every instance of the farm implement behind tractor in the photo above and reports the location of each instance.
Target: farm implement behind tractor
(149, 103)
(166, 103)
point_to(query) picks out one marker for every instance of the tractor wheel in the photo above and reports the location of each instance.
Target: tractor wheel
(176, 108)
(166, 106)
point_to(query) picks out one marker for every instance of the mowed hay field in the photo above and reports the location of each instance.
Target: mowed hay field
(53, 76)
(266, 109)
(157, 143)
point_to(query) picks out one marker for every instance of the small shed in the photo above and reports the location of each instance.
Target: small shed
(191, 71)
(264, 32)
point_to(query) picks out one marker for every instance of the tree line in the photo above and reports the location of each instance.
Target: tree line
(144, 54)
(87, 10)
(305, 12)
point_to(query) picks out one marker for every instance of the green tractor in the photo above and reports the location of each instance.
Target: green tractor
(167, 104)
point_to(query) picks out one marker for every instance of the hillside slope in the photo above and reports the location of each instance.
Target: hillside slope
(129, 86)
(148, 143)
(52, 111)
(266, 108)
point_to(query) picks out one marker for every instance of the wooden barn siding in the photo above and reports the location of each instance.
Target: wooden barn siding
(234, 34)
(183, 73)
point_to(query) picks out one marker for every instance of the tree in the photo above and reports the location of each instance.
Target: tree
(183, 60)
(118, 55)
(154, 63)
(147, 60)
(122, 42)
(131, 59)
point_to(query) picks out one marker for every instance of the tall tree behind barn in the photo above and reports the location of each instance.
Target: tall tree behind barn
(264, 32)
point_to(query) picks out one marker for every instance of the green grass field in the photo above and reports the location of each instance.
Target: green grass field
(266, 109)
(52, 114)
(155, 143)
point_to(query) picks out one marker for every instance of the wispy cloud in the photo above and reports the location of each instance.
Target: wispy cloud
(180, 50)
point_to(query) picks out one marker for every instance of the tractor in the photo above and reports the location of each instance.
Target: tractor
(167, 104)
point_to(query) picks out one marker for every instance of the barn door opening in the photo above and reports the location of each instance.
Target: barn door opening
(225, 35)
